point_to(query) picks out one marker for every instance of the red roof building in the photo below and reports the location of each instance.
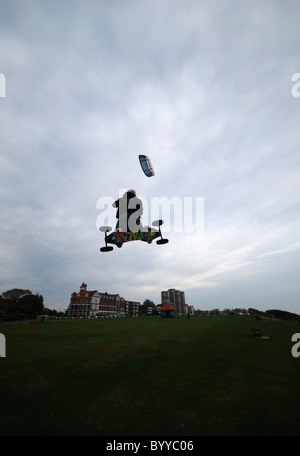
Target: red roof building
(167, 311)
(87, 304)
(80, 303)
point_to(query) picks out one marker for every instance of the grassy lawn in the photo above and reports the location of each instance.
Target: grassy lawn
(149, 376)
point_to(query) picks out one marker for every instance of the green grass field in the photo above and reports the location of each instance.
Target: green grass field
(147, 376)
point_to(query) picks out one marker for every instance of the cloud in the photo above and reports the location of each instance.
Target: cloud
(289, 248)
(205, 91)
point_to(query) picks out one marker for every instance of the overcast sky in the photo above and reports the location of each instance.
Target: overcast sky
(204, 88)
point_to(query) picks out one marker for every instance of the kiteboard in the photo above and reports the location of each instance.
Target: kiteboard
(146, 234)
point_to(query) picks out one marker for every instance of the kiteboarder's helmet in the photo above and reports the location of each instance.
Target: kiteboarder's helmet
(131, 193)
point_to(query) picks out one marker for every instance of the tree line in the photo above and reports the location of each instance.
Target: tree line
(20, 304)
(274, 313)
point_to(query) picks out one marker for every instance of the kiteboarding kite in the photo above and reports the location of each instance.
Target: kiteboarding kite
(146, 165)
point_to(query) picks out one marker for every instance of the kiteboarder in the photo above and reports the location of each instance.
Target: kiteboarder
(129, 211)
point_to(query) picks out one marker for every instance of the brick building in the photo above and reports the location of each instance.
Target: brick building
(80, 303)
(87, 304)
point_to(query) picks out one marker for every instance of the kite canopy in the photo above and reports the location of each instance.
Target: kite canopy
(146, 165)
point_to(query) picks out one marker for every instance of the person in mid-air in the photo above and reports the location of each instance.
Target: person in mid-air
(129, 211)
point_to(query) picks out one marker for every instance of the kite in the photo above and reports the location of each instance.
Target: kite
(146, 165)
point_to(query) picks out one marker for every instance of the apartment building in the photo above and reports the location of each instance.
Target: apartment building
(176, 298)
(132, 308)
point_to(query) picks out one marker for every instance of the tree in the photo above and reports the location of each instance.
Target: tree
(15, 294)
(282, 314)
(144, 309)
(18, 303)
(31, 305)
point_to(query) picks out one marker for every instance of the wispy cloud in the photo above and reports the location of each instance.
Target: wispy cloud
(290, 248)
